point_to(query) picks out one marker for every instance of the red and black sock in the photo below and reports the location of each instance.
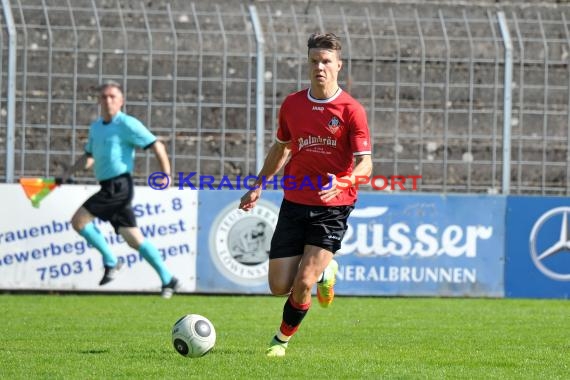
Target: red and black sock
(293, 314)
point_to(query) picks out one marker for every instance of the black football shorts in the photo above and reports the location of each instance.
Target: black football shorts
(112, 202)
(299, 225)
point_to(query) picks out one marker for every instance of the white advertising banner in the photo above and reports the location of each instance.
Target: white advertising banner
(40, 250)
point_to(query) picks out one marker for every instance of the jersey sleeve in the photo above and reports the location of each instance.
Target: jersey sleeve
(137, 134)
(283, 132)
(360, 134)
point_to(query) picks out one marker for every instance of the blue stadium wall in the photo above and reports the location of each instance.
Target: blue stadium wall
(405, 245)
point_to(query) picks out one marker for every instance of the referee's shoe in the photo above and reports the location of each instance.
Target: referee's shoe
(111, 273)
(169, 289)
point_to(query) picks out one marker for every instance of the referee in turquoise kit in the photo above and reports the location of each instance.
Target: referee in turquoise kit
(113, 138)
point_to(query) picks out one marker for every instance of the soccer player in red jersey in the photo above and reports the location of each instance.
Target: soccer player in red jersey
(323, 133)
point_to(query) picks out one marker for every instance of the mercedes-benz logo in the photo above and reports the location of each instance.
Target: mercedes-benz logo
(562, 246)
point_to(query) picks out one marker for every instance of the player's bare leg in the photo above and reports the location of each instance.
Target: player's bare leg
(136, 240)
(82, 222)
(307, 271)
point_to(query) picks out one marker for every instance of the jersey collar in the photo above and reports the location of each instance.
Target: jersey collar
(327, 100)
(115, 118)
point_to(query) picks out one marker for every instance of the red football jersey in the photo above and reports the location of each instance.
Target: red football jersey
(324, 136)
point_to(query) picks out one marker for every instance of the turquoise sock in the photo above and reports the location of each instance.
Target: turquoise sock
(152, 255)
(94, 237)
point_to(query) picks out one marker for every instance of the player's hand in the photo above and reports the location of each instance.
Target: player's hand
(330, 190)
(64, 180)
(166, 181)
(249, 199)
(160, 181)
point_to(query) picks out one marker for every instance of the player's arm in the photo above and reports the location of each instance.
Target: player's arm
(360, 174)
(137, 134)
(274, 161)
(359, 137)
(161, 156)
(85, 161)
(89, 162)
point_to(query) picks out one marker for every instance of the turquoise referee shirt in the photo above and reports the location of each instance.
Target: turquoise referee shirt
(113, 144)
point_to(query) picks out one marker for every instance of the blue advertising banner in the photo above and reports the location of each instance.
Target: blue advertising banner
(233, 245)
(423, 245)
(538, 247)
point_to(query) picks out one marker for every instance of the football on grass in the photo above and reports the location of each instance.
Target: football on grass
(193, 335)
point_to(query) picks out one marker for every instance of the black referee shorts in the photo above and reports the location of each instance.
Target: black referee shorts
(112, 202)
(299, 225)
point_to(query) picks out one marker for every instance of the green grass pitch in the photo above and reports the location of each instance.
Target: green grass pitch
(128, 336)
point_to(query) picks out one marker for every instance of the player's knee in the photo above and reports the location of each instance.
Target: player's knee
(75, 226)
(80, 219)
(133, 244)
(279, 288)
(77, 223)
(304, 284)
